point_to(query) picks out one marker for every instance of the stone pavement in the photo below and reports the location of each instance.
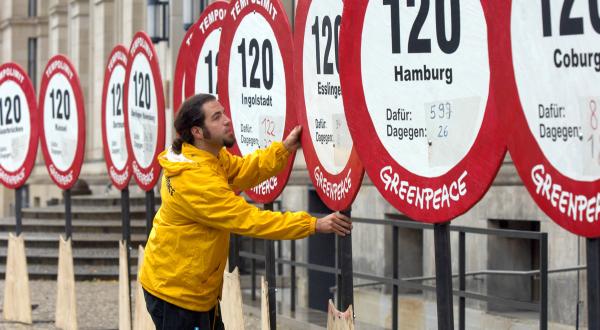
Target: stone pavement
(97, 306)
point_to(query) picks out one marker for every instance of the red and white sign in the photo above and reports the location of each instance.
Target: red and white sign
(203, 51)
(179, 81)
(331, 159)
(144, 111)
(255, 82)
(419, 100)
(553, 103)
(62, 122)
(18, 126)
(113, 119)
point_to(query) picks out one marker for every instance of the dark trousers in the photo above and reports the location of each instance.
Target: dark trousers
(167, 316)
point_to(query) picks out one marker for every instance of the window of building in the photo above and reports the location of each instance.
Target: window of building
(32, 59)
(32, 9)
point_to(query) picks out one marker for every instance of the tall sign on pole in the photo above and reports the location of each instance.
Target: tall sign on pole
(552, 66)
(331, 159)
(419, 96)
(144, 109)
(255, 85)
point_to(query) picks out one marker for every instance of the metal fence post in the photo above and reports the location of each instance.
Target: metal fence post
(68, 214)
(544, 281)
(395, 237)
(293, 277)
(346, 285)
(593, 282)
(461, 279)
(443, 276)
(270, 275)
(150, 209)
(18, 210)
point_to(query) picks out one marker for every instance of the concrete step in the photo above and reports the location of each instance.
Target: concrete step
(110, 200)
(79, 226)
(89, 256)
(83, 212)
(80, 240)
(82, 272)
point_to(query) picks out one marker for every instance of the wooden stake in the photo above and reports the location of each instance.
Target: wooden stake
(231, 304)
(66, 303)
(337, 320)
(17, 299)
(124, 296)
(265, 319)
(142, 320)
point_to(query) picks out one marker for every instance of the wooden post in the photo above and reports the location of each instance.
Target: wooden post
(66, 302)
(17, 298)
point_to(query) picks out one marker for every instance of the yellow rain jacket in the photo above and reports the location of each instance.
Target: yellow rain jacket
(188, 246)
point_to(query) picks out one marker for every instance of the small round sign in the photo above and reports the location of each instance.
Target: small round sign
(201, 62)
(554, 125)
(331, 159)
(255, 82)
(179, 81)
(62, 122)
(418, 96)
(113, 121)
(144, 109)
(18, 126)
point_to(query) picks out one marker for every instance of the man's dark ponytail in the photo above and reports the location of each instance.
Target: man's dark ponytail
(190, 114)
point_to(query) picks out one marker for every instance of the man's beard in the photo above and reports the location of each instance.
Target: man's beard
(228, 142)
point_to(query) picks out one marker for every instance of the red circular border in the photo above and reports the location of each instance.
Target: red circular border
(281, 29)
(310, 155)
(154, 168)
(27, 166)
(75, 169)
(112, 170)
(522, 145)
(179, 78)
(483, 160)
(197, 42)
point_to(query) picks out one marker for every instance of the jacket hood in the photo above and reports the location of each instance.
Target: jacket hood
(174, 164)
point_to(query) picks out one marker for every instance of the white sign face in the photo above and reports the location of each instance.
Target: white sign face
(322, 92)
(60, 122)
(432, 87)
(206, 68)
(143, 111)
(554, 64)
(115, 121)
(257, 86)
(15, 127)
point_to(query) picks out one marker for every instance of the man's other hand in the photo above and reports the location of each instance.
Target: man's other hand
(292, 141)
(334, 223)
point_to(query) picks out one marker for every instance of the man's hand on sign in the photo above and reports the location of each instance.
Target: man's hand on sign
(334, 223)
(292, 141)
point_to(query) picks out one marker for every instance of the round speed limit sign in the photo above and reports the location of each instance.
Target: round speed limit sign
(255, 82)
(332, 162)
(144, 109)
(418, 96)
(63, 118)
(554, 138)
(18, 126)
(179, 81)
(113, 121)
(203, 52)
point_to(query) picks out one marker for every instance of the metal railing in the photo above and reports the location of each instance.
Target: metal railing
(415, 283)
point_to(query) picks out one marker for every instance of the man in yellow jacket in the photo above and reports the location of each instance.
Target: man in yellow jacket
(186, 252)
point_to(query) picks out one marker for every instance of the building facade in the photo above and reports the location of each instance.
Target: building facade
(87, 30)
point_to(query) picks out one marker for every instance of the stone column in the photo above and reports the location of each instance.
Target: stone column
(58, 32)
